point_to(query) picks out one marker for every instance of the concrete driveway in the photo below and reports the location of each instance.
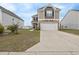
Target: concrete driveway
(56, 42)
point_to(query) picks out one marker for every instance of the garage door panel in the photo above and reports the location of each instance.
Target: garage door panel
(49, 26)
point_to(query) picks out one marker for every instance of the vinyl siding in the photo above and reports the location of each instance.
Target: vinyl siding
(0, 16)
(71, 20)
(56, 15)
(41, 15)
(8, 20)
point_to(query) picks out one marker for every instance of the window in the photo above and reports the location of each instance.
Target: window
(49, 13)
(13, 20)
(35, 18)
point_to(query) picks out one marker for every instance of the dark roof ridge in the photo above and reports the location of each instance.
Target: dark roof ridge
(10, 12)
(68, 12)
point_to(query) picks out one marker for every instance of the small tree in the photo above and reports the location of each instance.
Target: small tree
(13, 28)
(1, 29)
(16, 28)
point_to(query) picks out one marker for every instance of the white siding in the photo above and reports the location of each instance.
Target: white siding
(0, 16)
(56, 15)
(8, 20)
(21, 23)
(71, 20)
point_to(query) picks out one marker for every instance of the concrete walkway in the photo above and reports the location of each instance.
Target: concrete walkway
(56, 42)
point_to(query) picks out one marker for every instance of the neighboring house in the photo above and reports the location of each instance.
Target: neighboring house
(35, 21)
(47, 18)
(9, 18)
(71, 20)
(27, 27)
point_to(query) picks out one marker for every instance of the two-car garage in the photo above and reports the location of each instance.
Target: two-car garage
(48, 26)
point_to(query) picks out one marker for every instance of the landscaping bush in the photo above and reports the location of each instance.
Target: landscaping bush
(1, 29)
(13, 28)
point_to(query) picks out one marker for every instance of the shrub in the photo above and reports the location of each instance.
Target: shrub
(1, 29)
(13, 28)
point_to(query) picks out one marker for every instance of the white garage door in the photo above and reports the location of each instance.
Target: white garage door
(49, 26)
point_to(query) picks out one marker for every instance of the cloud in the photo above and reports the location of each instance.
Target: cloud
(8, 6)
(58, 5)
(27, 17)
(64, 9)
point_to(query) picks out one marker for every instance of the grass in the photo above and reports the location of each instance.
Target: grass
(72, 31)
(19, 42)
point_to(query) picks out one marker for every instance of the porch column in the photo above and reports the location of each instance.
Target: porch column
(54, 13)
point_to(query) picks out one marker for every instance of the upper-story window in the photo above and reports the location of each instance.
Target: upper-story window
(49, 12)
(35, 18)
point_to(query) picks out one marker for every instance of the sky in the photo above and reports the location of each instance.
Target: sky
(26, 10)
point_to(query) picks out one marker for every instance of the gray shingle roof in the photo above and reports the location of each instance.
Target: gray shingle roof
(48, 6)
(10, 13)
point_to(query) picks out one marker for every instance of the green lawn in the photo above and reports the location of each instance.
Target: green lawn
(19, 42)
(72, 31)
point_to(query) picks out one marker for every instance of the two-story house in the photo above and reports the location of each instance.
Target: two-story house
(47, 18)
(35, 21)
